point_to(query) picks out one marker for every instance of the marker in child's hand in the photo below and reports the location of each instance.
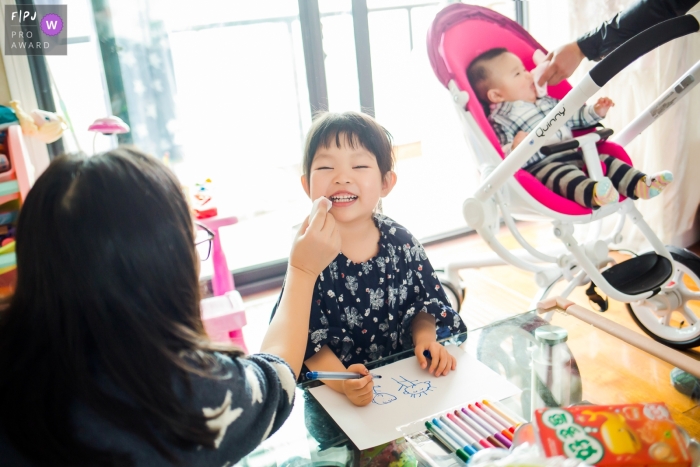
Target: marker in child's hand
(426, 354)
(337, 375)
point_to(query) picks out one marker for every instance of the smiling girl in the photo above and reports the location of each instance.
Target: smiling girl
(380, 295)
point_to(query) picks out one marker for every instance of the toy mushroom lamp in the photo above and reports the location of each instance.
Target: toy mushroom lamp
(111, 125)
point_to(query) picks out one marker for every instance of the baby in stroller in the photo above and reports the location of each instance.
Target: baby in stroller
(507, 91)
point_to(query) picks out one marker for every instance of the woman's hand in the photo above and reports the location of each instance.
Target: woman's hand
(562, 63)
(359, 391)
(442, 362)
(318, 241)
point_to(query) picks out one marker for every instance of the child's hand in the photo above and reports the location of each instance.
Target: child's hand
(441, 360)
(318, 241)
(519, 137)
(603, 105)
(359, 391)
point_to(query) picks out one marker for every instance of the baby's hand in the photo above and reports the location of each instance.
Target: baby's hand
(603, 105)
(442, 362)
(359, 391)
(519, 137)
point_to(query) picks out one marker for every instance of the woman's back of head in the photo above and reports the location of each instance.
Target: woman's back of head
(107, 290)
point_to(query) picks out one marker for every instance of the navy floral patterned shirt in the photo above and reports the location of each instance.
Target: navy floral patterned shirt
(364, 311)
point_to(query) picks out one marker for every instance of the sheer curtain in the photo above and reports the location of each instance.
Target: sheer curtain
(671, 143)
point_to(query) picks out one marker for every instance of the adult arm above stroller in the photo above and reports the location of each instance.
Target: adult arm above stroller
(631, 21)
(596, 44)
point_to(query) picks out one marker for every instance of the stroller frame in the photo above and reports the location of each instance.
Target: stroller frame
(579, 263)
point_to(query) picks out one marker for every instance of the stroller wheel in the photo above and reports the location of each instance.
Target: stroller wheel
(677, 324)
(453, 292)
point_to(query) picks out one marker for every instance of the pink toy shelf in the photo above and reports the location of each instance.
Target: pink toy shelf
(21, 173)
(14, 186)
(223, 315)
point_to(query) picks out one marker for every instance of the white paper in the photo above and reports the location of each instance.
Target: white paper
(407, 393)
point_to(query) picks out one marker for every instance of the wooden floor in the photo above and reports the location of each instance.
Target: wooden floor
(611, 372)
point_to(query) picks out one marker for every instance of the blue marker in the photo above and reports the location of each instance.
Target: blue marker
(336, 375)
(454, 436)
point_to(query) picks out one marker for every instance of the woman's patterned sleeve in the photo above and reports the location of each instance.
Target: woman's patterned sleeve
(248, 400)
(429, 298)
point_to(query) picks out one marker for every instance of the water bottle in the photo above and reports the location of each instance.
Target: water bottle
(551, 368)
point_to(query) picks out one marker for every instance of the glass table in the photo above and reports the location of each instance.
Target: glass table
(604, 370)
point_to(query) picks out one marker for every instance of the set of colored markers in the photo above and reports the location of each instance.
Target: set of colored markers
(477, 426)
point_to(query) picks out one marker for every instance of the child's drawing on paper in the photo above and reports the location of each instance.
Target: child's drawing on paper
(414, 388)
(382, 398)
(408, 394)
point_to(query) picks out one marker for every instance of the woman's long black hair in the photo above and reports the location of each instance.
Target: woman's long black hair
(105, 313)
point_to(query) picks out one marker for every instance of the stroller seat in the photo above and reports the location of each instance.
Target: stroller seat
(462, 32)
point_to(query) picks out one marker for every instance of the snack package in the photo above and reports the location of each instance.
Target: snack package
(630, 434)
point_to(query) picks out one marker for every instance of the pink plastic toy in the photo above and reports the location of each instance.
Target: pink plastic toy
(223, 315)
(21, 167)
(111, 125)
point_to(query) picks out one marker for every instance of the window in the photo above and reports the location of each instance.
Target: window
(435, 167)
(339, 51)
(79, 88)
(221, 92)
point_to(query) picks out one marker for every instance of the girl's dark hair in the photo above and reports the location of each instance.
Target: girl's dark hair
(105, 313)
(358, 129)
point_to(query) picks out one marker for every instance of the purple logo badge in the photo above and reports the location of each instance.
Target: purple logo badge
(36, 29)
(51, 24)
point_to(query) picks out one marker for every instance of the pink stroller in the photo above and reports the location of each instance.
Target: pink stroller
(654, 284)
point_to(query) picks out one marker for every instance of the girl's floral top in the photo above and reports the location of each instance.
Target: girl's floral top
(363, 312)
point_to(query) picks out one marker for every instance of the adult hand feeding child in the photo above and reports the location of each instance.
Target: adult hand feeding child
(597, 43)
(380, 295)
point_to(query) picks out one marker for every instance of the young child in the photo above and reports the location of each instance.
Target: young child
(380, 295)
(507, 89)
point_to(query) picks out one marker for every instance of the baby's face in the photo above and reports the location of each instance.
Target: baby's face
(510, 80)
